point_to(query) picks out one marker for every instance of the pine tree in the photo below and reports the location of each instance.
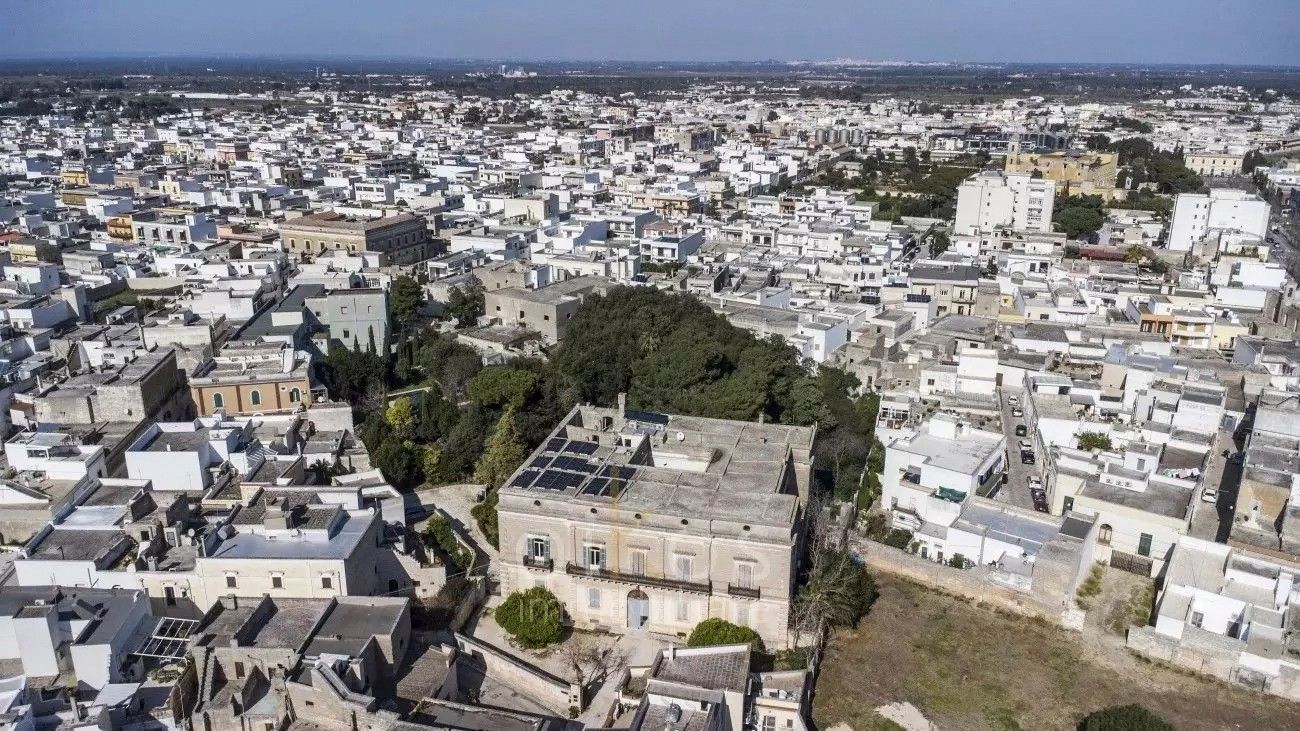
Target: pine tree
(502, 454)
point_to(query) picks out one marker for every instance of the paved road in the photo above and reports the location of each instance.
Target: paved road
(1016, 490)
(1213, 521)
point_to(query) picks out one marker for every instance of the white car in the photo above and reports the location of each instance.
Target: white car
(1013, 400)
(1209, 495)
(1035, 482)
(1026, 445)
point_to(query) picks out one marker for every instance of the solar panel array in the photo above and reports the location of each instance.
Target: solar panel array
(565, 464)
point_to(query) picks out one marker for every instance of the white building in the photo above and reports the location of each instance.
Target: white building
(995, 199)
(1246, 601)
(1196, 215)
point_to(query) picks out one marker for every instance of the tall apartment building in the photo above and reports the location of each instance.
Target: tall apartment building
(1227, 209)
(401, 239)
(645, 521)
(995, 199)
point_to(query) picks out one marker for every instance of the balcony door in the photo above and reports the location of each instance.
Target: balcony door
(638, 609)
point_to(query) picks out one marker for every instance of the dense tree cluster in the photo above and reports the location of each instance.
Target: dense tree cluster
(457, 420)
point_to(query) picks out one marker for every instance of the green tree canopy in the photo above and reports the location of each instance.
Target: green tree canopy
(534, 618)
(405, 301)
(465, 303)
(1078, 221)
(1125, 718)
(502, 454)
(502, 385)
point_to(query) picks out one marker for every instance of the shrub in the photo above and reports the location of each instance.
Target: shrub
(898, 538)
(1125, 718)
(534, 618)
(721, 632)
(1094, 440)
(1089, 587)
(957, 561)
(438, 532)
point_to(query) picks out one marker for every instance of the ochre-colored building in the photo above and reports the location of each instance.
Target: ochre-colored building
(1074, 172)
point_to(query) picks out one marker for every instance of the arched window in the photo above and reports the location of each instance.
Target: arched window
(218, 401)
(255, 397)
(295, 395)
(1103, 534)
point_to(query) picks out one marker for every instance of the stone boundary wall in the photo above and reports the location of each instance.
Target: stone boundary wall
(973, 583)
(547, 689)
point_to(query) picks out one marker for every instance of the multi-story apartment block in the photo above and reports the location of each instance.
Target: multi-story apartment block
(995, 199)
(952, 287)
(646, 521)
(1228, 209)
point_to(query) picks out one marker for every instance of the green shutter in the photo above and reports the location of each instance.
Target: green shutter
(1144, 545)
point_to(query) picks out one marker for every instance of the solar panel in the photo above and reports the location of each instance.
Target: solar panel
(549, 481)
(540, 463)
(649, 417)
(580, 447)
(555, 444)
(597, 486)
(618, 473)
(565, 480)
(572, 464)
(524, 478)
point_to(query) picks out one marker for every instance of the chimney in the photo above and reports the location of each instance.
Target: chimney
(622, 404)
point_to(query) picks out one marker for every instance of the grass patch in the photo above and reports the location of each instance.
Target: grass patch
(1136, 610)
(970, 668)
(1090, 587)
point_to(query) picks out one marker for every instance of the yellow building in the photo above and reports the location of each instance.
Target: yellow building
(1073, 171)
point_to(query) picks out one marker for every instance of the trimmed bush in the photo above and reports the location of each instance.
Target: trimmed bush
(1125, 718)
(534, 618)
(721, 632)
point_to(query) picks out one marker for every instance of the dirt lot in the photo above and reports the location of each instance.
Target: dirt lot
(967, 667)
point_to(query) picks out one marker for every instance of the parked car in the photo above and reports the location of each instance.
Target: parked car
(1026, 445)
(1209, 495)
(1017, 412)
(1035, 482)
(1013, 400)
(1040, 500)
(1021, 430)
(1026, 457)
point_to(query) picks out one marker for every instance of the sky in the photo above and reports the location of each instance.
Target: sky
(1068, 31)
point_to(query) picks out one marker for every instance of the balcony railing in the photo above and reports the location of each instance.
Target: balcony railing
(749, 592)
(596, 572)
(538, 562)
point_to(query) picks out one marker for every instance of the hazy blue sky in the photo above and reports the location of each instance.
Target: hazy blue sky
(1144, 31)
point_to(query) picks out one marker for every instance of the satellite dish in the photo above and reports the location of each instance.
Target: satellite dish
(681, 437)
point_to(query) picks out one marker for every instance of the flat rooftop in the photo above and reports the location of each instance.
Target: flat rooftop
(680, 465)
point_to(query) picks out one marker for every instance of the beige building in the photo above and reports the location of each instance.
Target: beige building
(401, 239)
(1214, 164)
(644, 521)
(546, 310)
(1073, 171)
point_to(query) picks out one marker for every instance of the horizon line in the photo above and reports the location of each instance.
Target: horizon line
(410, 58)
